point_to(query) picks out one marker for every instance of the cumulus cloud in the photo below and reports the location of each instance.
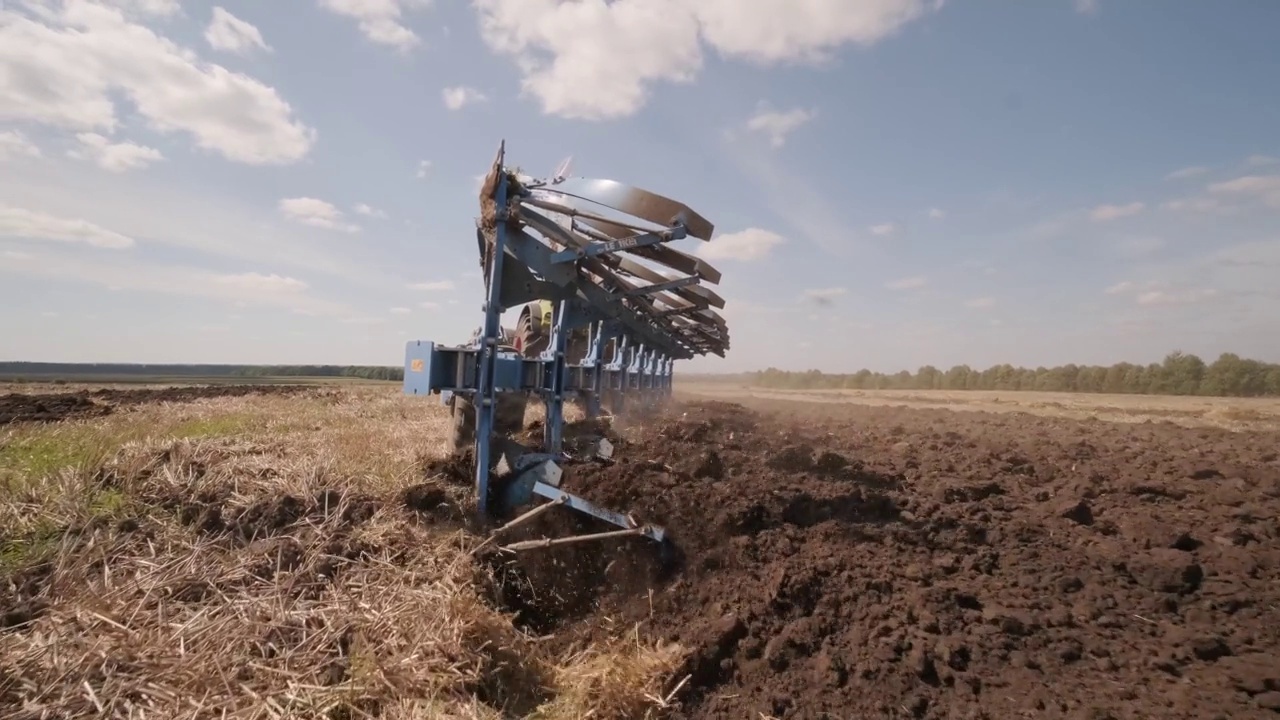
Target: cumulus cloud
(1187, 172)
(824, 296)
(317, 213)
(369, 211)
(147, 8)
(777, 125)
(129, 272)
(883, 229)
(456, 98)
(982, 302)
(1166, 297)
(1103, 213)
(1158, 292)
(29, 224)
(909, 283)
(936, 213)
(1201, 204)
(745, 245)
(65, 64)
(259, 283)
(116, 157)
(229, 33)
(15, 145)
(381, 21)
(1262, 188)
(599, 60)
(433, 285)
(424, 166)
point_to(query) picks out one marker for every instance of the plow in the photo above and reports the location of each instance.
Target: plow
(606, 306)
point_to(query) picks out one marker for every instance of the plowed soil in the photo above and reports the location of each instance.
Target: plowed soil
(54, 407)
(903, 563)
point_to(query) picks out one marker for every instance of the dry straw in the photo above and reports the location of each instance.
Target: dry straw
(205, 593)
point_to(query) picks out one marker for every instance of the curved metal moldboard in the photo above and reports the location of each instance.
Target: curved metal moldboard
(603, 274)
(640, 203)
(644, 330)
(653, 276)
(664, 254)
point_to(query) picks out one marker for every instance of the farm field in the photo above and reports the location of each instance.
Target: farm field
(303, 551)
(1189, 411)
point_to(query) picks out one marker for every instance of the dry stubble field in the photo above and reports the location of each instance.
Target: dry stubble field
(302, 552)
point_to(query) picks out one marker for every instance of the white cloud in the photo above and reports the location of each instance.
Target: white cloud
(14, 145)
(21, 223)
(369, 211)
(596, 60)
(778, 125)
(1137, 246)
(364, 320)
(429, 305)
(745, 245)
(1264, 188)
(1164, 297)
(1102, 213)
(1086, 7)
(381, 21)
(147, 8)
(456, 98)
(1205, 205)
(423, 167)
(883, 229)
(258, 283)
(317, 213)
(824, 296)
(191, 218)
(910, 283)
(119, 273)
(1261, 160)
(114, 157)
(982, 302)
(400, 311)
(433, 286)
(66, 68)
(229, 33)
(1160, 292)
(1187, 172)
(774, 31)
(936, 213)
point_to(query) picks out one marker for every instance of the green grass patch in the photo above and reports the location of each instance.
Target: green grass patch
(29, 549)
(46, 452)
(214, 427)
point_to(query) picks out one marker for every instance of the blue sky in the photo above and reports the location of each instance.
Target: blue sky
(893, 182)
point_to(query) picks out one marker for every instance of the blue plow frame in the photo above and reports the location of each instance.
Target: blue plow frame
(538, 243)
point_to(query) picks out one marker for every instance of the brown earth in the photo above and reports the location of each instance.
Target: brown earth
(908, 563)
(848, 562)
(57, 406)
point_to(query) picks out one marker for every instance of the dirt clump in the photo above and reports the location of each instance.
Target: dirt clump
(48, 407)
(994, 568)
(59, 406)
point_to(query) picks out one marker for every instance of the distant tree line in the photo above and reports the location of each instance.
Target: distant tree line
(1179, 374)
(71, 371)
(365, 372)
